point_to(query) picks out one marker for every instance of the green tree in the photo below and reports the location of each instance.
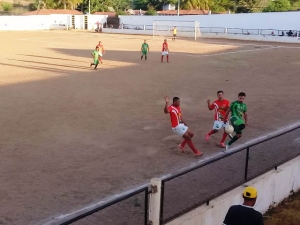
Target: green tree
(278, 6)
(151, 12)
(7, 7)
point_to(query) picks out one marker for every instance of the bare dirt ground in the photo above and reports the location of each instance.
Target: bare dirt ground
(71, 136)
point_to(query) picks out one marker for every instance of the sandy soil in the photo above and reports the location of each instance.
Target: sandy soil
(71, 136)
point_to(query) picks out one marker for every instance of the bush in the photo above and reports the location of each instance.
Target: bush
(120, 13)
(7, 7)
(151, 12)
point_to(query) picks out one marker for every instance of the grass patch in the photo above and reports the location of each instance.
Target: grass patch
(286, 213)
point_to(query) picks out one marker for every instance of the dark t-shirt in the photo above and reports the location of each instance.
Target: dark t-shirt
(243, 215)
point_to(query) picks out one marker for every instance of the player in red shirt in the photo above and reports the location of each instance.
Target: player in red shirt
(179, 126)
(165, 51)
(101, 50)
(220, 106)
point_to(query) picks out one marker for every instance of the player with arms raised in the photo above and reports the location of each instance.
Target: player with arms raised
(165, 51)
(237, 109)
(220, 106)
(101, 50)
(179, 126)
(144, 49)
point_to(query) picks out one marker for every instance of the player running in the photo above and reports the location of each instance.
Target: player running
(144, 49)
(174, 33)
(101, 50)
(237, 109)
(179, 126)
(95, 55)
(165, 51)
(220, 106)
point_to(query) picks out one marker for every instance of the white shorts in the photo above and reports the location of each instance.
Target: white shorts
(165, 53)
(100, 54)
(218, 125)
(180, 129)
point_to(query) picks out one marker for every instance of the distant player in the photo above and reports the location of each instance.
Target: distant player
(101, 50)
(220, 106)
(144, 49)
(237, 109)
(165, 51)
(95, 55)
(174, 33)
(179, 126)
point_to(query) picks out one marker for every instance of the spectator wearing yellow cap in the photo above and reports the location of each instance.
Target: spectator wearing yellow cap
(245, 214)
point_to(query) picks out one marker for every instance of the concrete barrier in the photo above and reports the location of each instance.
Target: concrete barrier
(272, 188)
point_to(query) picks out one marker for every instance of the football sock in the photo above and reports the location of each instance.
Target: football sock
(167, 58)
(211, 132)
(141, 57)
(183, 143)
(162, 58)
(224, 137)
(233, 140)
(191, 145)
(145, 57)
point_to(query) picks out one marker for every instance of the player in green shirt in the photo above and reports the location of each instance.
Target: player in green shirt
(144, 49)
(95, 55)
(238, 109)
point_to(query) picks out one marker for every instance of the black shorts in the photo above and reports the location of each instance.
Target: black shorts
(174, 35)
(238, 128)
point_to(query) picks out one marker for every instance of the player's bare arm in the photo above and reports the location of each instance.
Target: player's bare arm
(166, 110)
(209, 105)
(246, 118)
(226, 115)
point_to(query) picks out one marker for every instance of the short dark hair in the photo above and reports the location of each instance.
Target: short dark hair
(242, 94)
(220, 92)
(175, 99)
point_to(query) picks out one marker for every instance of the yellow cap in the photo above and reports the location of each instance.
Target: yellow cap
(250, 192)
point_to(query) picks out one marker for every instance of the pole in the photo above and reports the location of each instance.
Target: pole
(178, 8)
(89, 7)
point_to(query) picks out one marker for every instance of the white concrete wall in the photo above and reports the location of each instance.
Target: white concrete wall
(280, 21)
(272, 188)
(24, 22)
(46, 22)
(93, 19)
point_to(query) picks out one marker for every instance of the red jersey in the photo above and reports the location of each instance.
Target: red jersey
(101, 48)
(220, 109)
(165, 47)
(175, 114)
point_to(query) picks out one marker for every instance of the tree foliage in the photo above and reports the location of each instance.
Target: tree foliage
(278, 6)
(151, 6)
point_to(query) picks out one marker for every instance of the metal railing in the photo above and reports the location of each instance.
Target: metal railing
(196, 186)
(129, 209)
(184, 191)
(217, 30)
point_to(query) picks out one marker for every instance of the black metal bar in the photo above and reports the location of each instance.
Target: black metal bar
(162, 196)
(228, 154)
(246, 167)
(102, 207)
(146, 206)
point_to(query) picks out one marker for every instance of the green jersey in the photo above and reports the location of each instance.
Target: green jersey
(95, 53)
(145, 47)
(237, 110)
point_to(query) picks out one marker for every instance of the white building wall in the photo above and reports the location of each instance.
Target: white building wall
(281, 20)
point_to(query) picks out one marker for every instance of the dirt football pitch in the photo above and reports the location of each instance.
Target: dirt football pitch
(71, 135)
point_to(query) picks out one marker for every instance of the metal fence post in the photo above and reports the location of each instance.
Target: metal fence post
(246, 167)
(155, 199)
